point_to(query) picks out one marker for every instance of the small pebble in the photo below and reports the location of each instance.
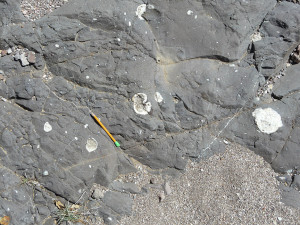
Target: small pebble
(23, 59)
(161, 196)
(167, 188)
(97, 194)
(31, 57)
(152, 180)
(3, 52)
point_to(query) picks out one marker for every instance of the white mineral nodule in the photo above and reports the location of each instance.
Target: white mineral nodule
(267, 120)
(158, 97)
(47, 127)
(140, 104)
(141, 9)
(91, 145)
(45, 173)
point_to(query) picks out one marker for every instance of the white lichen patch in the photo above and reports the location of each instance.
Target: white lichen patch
(47, 127)
(267, 120)
(140, 104)
(91, 145)
(140, 10)
(256, 37)
(158, 97)
(189, 12)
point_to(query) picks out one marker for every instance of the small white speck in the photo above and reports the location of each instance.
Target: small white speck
(109, 218)
(118, 39)
(45, 173)
(207, 79)
(226, 142)
(150, 6)
(124, 13)
(90, 166)
(189, 12)
(236, 71)
(129, 23)
(16, 191)
(87, 77)
(8, 209)
(279, 218)
(231, 65)
(57, 45)
(218, 79)
(38, 146)
(146, 32)
(196, 16)
(94, 19)
(86, 125)
(76, 138)
(66, 132)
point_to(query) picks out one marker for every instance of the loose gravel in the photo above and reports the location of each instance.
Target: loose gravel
(35, 9)
(237, 187)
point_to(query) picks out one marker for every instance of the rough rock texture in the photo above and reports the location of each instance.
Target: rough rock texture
(280, 31)
(198, 56)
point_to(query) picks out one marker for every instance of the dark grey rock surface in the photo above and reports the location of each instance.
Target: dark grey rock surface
(176, 82)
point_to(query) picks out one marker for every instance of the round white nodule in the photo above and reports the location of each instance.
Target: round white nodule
(140, 104)
(47, 127)
(91, 145)
(267, 120)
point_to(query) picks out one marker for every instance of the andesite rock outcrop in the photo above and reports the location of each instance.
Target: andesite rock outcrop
(195, 61)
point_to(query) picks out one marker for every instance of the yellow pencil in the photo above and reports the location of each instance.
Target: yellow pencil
(104, 128)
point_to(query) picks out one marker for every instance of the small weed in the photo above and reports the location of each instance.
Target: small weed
(68, 213)
(28, 181)
(25, 180)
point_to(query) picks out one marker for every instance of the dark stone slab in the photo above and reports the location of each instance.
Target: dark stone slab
(280, 36)
(10, 12)
(125, 187)
(289, 83)
(121, 203)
